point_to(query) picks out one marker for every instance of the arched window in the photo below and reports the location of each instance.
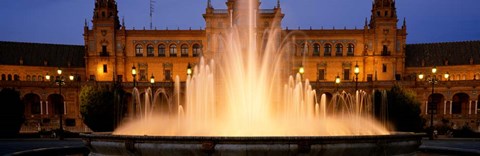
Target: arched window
(196, 50)
(350, 49)
(16, 77)
(32, 102)
(138, 50)
(40, 78)
(150, 50)
(161, 50)
(184, 51)
(28, 78)
(327, 50)
(4, 77)
(173, 50)
(316, 49)
(9, 77)
(304, 50)
(338, 49)
(34, 78)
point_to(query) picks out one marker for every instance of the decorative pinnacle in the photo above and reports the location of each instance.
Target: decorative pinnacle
(209, 4)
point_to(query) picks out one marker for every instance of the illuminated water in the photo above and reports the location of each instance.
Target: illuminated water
(246, 92)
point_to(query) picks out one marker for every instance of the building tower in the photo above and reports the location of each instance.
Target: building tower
(100, 41)
(388, 42)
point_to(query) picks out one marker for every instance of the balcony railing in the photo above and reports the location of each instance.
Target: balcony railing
(267, 11)
(386, 53)
(104, 54)
(220, 11)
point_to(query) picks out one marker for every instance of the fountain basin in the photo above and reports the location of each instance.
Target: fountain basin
(395, 144)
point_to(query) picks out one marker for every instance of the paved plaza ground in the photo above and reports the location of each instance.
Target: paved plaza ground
(442, 146)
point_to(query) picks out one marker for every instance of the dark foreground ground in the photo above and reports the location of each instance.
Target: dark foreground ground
(444, 146)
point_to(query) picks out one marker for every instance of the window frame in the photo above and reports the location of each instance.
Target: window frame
(138, 50)
(327, 49)
(172, 50)
(338, 49)
(184, 50)
(162, 50)
(150, 50)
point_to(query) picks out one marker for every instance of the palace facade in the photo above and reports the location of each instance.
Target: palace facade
(111, 50)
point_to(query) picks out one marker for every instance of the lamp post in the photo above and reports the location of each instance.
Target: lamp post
(60, 81)
(337, 81)
(356, 71)
(134, 74)
(431, 106)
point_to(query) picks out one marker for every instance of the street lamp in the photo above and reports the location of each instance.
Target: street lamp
(447, 76)
(60, 81)
(189, 70)
(152, 80)
(420, 76)
(71, 77)
(134, 74)
(301, 70)
(337, 81)
(433, 80)
(356, 70)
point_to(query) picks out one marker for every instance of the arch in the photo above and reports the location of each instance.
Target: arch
(16, 77)
(316, 49)
(460, 103)
(350, 49)
(173, 50)
(150, 50)
(438, 101)
(56, 103)
(40, 78)
(161, 50)
(184, 50)
(138, 50)
(304, 49)
(339, 49)
(34, 78)
(28, 78)
(196, 50)
(4, 77)
(327, 49)
(32, 103)
(9, 77)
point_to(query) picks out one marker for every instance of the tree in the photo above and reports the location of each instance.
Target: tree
(12, 112)
(404, 110)
(96, 107)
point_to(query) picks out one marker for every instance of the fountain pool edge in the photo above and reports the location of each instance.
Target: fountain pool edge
(395, 144)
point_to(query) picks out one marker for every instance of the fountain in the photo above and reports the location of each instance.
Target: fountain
(237, 105)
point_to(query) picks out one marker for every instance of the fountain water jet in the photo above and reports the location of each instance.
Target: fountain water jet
(238, 103)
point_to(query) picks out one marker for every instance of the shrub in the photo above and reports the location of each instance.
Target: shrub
(12, 112)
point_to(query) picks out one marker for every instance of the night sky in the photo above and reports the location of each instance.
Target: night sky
(61, 21)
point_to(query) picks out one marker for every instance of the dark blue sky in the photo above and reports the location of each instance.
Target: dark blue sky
(61, 21)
